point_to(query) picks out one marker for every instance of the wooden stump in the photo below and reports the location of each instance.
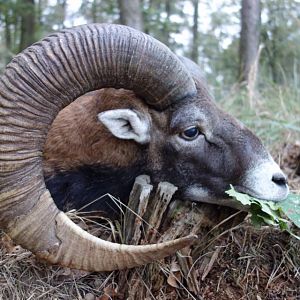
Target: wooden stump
(151, 217)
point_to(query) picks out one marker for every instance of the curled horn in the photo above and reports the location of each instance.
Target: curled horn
(35, 86)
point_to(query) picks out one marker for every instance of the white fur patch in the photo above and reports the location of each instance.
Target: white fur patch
(200, 194)
(126, 124)
(258, 182)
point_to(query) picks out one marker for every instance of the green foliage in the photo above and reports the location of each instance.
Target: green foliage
(280, 59)
(291, 208)
(270, 213)
(273, 113)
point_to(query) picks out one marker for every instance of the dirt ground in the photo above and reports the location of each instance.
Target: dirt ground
(242, 262)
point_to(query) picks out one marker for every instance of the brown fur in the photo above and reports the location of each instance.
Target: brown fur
(77, 137)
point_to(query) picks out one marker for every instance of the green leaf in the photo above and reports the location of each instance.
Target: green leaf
(270, 213)
(257, 221)
(283, 225)
(291, 208)
(243, 198)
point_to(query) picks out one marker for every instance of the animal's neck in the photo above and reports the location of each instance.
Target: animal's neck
(76, 188)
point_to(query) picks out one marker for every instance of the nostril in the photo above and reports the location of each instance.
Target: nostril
(279, 179)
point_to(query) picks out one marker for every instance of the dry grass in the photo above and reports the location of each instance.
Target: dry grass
(243, 263)
(23, 277)
(255, 263)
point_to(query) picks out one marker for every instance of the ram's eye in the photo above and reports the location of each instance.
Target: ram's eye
(190, 133)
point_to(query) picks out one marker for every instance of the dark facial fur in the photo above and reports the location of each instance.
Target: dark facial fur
(79, 187)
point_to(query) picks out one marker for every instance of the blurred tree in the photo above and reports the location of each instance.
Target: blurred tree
(249, 37)
(44, 21)
(219, 46)
(164, 20)
(27, 13)
(61, 6)
(166, 26)
(53, 17)
(9, 21)
(281, 38)
(195, 43)
(131, 13)
(6, 20)
(100, 11)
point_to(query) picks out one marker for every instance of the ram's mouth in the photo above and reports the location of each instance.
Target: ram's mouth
(251, 192)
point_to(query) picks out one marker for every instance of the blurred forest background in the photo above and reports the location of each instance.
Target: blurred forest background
(209, 32)
(249, 50)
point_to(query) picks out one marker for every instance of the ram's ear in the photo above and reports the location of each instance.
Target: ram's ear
(127, 124)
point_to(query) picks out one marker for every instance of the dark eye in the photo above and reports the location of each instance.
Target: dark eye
(190, 133)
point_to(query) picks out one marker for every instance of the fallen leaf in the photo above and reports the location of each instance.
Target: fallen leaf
(173, 279)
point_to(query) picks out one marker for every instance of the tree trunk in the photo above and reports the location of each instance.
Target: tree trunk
(165, 38)
(7, 31)
(94, 11)
(249, 37)
(195, 44)
(27, 24)
(39, 13)
(8, 38)
(275, 61)
(131, 13)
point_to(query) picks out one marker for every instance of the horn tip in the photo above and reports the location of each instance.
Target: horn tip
(192, 238)
(188, 240)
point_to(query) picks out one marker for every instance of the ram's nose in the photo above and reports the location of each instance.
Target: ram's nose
(266, 181)
(280, 179)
